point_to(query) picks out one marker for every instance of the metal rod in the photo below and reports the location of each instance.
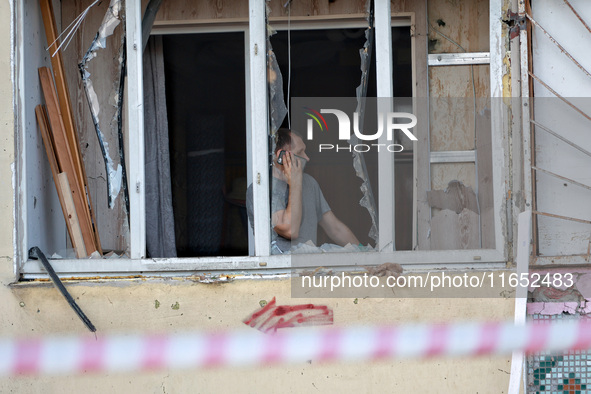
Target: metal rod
(561, 217)
(561, 138)
(558, 45)
(561, 177)
(560, 97)
(36, 252)
(577, 15)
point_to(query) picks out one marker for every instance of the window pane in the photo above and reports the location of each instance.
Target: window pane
(207, 127)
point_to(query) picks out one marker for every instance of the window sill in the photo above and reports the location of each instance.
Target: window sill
(259, 266)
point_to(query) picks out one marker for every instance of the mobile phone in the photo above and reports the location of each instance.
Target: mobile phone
(280, 158)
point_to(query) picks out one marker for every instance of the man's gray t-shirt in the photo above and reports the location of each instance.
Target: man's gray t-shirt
(314, 206)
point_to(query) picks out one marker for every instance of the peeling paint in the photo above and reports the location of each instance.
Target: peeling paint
(507, 79)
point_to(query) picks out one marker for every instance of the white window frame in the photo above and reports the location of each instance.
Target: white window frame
(257, 141)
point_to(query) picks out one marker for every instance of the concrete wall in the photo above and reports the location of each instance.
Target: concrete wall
(130, 306)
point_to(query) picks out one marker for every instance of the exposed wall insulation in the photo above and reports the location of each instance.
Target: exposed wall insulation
(105, 72)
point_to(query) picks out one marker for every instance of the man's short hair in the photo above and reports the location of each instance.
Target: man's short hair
(283, 138)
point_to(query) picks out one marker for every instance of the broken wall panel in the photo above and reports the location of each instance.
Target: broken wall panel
(443, 173)
(465, 22)
(111, 223)
(452, 105)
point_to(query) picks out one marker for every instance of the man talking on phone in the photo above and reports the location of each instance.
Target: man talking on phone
(297, 203)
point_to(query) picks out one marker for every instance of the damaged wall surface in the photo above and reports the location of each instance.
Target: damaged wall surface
(459, 124)
(104, 70)
(458, 193)
(171, 306)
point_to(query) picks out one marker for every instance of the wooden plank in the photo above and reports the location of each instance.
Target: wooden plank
(228, 9)
(63, 95)
(71, 216)
(452, 231)
(485, 179)
(452, 110)
(465, 22)
(43, 122)
(64, 156)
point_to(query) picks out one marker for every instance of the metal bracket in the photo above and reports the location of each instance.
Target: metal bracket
(516, 23)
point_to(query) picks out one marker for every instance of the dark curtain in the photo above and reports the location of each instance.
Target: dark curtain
(160, 238)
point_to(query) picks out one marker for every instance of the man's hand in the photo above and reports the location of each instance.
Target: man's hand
(337, 230)
(293, 169)
(287, 222)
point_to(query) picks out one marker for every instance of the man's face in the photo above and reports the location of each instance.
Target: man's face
(298, 149)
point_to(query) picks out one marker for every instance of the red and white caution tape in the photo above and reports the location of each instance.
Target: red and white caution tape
(125, 353)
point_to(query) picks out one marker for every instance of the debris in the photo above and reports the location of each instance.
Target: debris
(176, 306)
(277, 107)
(68, 128)
(111, 20)
(156, 304)
(386, 269)
(263, 303)
(57, 141)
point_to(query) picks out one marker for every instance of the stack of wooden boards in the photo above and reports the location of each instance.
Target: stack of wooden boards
(60, 138)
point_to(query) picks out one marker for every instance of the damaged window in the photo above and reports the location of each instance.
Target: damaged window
(205, 96)
(336, 63)
(196, 108)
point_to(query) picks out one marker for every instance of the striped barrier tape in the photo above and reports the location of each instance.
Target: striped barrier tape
(125, 353)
